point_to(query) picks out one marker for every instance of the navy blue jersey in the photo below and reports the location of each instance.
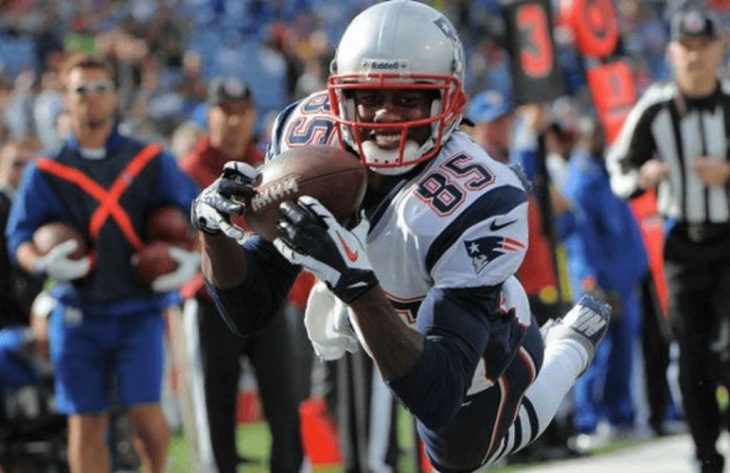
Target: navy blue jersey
(44, 197)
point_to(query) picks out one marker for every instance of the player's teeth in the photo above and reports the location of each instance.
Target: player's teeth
(389, 138)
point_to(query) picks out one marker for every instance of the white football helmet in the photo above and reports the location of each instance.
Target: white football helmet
(398, 44)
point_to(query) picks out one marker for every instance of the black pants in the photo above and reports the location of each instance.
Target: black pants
(276, 369)
(698, 278)
(655, 340)
(366, 414)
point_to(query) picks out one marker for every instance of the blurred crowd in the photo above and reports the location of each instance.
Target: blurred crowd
(167, 52)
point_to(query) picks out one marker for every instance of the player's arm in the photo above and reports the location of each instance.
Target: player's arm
(248, 282)
(247, 278)
(439, 357)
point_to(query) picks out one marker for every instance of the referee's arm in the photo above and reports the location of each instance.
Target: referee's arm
(632, 149)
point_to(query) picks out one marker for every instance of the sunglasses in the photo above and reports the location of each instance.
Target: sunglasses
(98, 87)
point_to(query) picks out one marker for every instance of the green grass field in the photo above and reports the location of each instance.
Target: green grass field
(253, 443)
(254, 438)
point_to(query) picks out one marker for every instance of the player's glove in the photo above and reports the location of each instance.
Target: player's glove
(310, 236)
(212, 209)
(58, 265)
(188, 263)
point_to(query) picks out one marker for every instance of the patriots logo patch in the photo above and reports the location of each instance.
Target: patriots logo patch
(484, 250)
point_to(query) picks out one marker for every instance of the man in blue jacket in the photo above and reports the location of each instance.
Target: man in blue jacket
(106, 329)
(606, 256)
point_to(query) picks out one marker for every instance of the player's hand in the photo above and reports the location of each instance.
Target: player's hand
(310, 236)
(58, 264)
(212, 209)
(188, 263)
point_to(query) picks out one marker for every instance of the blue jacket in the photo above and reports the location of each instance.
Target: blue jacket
(111, 286)
(606, 242)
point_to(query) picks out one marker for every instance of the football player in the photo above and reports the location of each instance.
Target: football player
(443, 229)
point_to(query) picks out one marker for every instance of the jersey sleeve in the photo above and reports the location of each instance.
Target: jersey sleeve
(485, 244)
(307, 122)
(247, 309)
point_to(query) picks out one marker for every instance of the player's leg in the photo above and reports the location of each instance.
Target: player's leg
(474, 434)
(570, 344)
(139, 368)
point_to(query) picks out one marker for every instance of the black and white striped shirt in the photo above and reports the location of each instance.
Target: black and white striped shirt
(675, 129)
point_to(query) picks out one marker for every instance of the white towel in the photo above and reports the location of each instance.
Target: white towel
(328, 325)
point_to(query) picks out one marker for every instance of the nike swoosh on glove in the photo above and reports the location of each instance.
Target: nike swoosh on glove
(310, 236)
(212, 209)
(188, 263)
(57, 264)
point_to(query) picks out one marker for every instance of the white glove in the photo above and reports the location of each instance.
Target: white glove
(188, 263)
(211, 210)
(311, 237)
(57, 264)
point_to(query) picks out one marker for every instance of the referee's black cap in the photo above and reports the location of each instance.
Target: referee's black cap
(692, 23)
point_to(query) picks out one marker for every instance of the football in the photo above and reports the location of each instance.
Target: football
(153, 260)
(51, 234)
(164, 227)
(170, 224)
(333, 176)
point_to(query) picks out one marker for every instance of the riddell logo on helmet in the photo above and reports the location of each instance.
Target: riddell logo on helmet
(384, 64)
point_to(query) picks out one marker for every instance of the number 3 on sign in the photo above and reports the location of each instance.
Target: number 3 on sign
(536, 53)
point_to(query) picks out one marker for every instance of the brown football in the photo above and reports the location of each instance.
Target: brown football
(51, 234)
(333, 176)
(153, 260)
(170, 224)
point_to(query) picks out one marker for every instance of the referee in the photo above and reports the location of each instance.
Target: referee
(676, 139)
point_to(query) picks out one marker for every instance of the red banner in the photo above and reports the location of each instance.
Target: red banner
(595, 25)
(614, 93)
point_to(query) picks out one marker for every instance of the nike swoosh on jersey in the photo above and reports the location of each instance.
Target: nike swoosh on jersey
(357, 284)
(351, 255)
(494, 226)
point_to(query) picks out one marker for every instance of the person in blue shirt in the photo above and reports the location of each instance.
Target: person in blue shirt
(16, 366)
(606, 255)
(107, 327)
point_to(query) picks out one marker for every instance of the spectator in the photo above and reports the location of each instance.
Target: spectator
(676, 138)
(106, 327)
(31, 430)
(18, 288)
(606, 256)
(231, 120)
